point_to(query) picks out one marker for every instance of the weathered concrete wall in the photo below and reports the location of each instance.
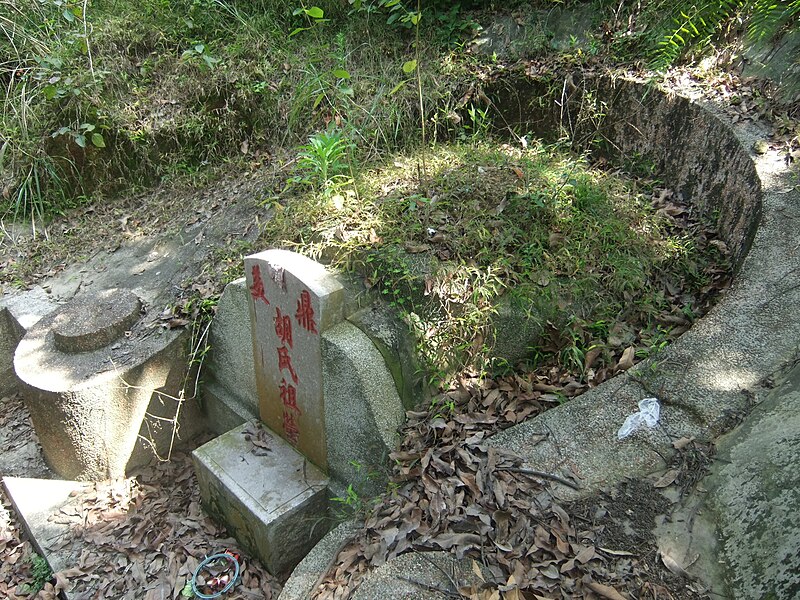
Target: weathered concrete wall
(706, 379)
(229, 396)
(635, 124)
(363, 410)
(396, 343)
(775, 59)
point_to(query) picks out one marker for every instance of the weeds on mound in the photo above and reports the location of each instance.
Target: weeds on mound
(580, 249)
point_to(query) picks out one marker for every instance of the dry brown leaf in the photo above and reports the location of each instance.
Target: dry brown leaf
(591, 356)
(626, 362)
(616, 552)
(682, 443)
(513, 594)
(667, 478)
(585, 555)
(413, 248)
(477, 570)
(606, 591)
(673, 565)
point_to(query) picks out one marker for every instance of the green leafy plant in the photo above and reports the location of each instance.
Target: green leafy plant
(442, 407)
(350, 499)
(199, 51)
(695, 25)
(477, 128)
(314, 15)
(769, 16)
(533, 227)
(41, 573)
(390, 272)
(399, 13)
(39, 190)
(324, 161)
(355, 501)
(85, 133)
(40, 44)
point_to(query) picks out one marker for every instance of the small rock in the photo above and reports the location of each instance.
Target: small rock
(761, 147)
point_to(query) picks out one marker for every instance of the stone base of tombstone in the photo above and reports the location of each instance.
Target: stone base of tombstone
(101, 388)
(266, 493)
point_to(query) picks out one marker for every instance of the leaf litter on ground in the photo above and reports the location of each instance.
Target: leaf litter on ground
(145, 536)
(451, 491)
(135, 538)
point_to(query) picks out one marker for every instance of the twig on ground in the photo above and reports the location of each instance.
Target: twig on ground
(543, 475)
(439, 567)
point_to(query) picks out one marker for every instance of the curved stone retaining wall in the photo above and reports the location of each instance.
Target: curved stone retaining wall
(634, 125)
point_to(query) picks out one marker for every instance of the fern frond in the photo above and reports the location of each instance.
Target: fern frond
(770, 15)
(693, 26)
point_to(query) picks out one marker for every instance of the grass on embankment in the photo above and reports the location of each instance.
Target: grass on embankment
(137, 92)
(448, 233)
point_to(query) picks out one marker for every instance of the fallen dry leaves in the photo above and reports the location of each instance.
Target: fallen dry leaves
(16, 432)
(144, 537)
(137, 538)
(15, 568)
(454, 492)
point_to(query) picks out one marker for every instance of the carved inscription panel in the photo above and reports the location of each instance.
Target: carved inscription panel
(292, 300)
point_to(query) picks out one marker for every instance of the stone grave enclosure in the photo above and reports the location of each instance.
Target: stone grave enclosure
(312, 399)
(306, 386)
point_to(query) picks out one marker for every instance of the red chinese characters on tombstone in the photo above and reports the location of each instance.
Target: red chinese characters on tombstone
(290, 411)
(285, 362)
(290, 428)
(283, 328)
(289, 396)
(287, 388)
(257, 291)
(305, 312)
(288, 392)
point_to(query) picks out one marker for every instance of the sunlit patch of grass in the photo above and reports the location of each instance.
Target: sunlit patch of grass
(567, 242)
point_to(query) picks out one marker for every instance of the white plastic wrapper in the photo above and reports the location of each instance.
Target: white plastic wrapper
(649, 412)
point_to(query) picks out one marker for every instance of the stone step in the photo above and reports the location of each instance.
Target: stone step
(35, 502)
(267, 494)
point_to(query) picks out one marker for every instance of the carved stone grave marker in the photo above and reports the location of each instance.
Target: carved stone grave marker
(293, 299)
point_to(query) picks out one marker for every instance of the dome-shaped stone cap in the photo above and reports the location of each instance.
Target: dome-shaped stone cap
(87, 324)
